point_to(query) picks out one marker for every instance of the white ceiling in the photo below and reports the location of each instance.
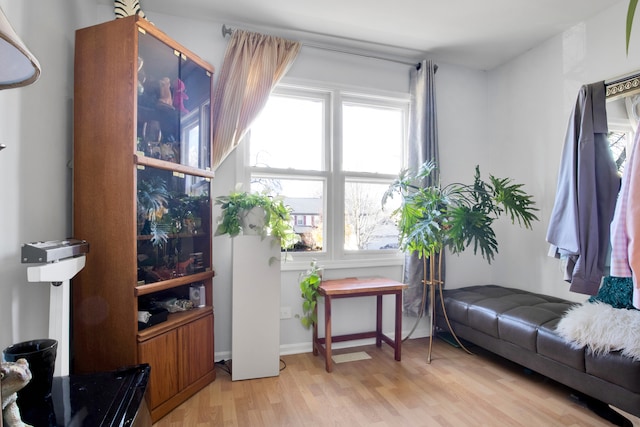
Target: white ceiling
(473, 33)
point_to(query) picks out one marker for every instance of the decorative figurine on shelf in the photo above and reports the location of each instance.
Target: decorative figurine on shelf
(165, 92)
(156, 104)
(124, 8)
(168, 151)
(181, 266)
(179, 95)
(13, 377)
(151, 136)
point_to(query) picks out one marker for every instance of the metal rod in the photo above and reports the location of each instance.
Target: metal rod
(227, 31)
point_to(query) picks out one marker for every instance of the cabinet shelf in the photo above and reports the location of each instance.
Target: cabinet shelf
(150, 288)
(177, 236)
(174, 320)
(142, 160)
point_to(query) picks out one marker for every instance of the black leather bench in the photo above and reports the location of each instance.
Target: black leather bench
(520, 326)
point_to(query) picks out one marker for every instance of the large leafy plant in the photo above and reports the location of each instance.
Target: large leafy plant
(455, 216)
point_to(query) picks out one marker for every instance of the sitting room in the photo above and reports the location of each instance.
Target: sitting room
(339, 213)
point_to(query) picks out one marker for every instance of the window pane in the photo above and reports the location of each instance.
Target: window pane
(618, 142)
(288, 134)
(306, 198)
(366, 225)
(372, 138)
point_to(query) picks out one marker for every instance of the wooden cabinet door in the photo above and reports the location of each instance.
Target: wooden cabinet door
(161, 354)
(196, 350)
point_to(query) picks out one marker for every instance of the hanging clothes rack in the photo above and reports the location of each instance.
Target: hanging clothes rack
(623, 86)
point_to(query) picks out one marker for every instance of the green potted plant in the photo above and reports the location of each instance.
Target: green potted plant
(454, 216)
(309, 284)
(255, 213)
(153, 200)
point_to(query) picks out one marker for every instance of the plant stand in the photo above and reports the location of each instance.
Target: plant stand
(435, 280)
(255, 329)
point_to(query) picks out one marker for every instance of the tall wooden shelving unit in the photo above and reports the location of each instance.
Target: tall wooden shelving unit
(126, 140)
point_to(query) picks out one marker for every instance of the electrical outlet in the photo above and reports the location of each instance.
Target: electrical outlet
(285, 312)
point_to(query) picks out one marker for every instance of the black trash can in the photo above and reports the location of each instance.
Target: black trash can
(41, 355)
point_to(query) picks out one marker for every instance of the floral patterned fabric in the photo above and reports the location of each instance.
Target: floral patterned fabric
(615, 291)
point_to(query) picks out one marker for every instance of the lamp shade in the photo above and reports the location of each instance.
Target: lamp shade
(18, 67)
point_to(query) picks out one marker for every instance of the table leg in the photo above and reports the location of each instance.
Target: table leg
(398, 333)
(379, 320)
(327, 333)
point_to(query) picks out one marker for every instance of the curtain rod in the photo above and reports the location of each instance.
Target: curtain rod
(622, 86)
(227, 31)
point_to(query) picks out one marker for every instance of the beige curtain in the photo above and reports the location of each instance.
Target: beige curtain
(253, 65)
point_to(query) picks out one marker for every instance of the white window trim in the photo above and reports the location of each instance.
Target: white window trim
(334, 256)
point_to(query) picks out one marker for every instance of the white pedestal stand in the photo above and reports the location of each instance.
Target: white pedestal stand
(255, 325)
(59, 273)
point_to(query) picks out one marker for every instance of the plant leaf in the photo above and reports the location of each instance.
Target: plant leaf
(516, 203)
(471, 225)
(630, 13)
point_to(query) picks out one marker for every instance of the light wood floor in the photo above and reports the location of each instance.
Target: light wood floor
(456, 389)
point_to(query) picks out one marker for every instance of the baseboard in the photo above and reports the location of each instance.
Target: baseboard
(305, 347)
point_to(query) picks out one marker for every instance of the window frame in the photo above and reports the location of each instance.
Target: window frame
(333, 253)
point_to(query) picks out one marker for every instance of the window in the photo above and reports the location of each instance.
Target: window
(622, 120)
(331, 154)
(618, 142)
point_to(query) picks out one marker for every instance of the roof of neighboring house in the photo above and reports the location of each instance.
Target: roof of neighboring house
(304, 205)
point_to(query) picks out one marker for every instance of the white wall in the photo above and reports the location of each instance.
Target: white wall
(510, 120)
(530, 101)
(35, 194)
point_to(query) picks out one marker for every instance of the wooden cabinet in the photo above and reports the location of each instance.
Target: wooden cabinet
(161, 353)
(181, 361)
(196, 339)
(142, 199)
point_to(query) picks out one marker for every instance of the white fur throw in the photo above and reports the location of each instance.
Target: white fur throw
(602, 328)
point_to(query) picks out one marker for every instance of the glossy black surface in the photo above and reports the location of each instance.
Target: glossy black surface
(113, 398)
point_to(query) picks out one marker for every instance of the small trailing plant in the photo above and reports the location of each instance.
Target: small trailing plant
(309, 283)
(277, 216)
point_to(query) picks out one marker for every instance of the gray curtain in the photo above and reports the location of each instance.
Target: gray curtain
(423, 146)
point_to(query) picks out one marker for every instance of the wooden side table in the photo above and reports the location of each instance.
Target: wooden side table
(358, 287)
